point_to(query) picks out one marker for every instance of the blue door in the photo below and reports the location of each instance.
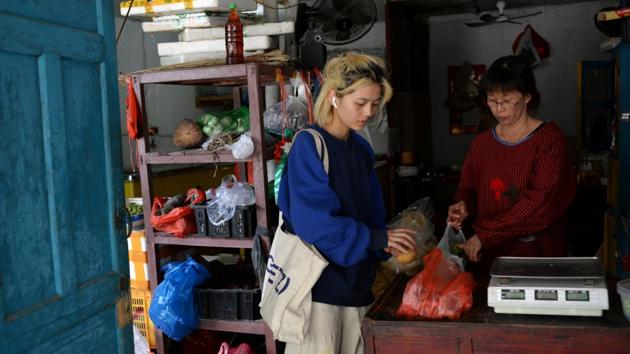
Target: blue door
(63, 264)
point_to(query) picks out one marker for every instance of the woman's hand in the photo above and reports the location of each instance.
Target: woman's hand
(400, 241)
(472, 247)
(457, 213)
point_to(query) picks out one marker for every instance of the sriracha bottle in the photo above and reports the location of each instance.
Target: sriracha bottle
(234, 38)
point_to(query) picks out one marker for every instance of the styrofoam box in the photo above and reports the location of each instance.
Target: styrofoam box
(216, 45)
(264, 29)
(167, 7)
(190, 57)
(177, 23)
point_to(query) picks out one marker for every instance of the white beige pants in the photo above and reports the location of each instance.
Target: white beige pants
(332, 330)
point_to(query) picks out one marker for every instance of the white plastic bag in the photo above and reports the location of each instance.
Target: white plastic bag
(243, 147)
(230, 194)
(448, 243)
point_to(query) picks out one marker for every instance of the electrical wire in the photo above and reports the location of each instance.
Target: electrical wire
(124, 21)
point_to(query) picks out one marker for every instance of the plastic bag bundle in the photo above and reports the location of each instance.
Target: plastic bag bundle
(230, 194)
(296, 116)
(180, 221)
(173, 307)
(442, 289)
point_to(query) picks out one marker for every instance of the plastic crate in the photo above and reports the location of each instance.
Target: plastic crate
(222, 230)
(229, 304)
(205, 227)
(201, 219)
(140, 301)
(243, 224)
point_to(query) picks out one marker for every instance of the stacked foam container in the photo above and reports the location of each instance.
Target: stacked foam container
(200, 26)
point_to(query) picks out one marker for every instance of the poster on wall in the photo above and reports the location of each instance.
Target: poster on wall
(465, 116)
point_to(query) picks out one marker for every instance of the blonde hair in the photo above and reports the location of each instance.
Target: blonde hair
(345, 74)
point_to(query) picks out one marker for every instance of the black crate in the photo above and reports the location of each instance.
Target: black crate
(201, 219)
(248, 301)
(205, 227)
(229, 304)
(222, 230)
(244, 221)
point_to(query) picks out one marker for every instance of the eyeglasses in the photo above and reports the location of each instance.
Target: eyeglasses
(494, 104)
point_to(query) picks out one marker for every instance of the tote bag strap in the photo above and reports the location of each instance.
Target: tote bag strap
(320, 145)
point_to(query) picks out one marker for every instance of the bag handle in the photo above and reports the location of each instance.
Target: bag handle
(320, 145)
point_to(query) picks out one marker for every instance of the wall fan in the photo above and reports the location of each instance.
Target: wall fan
(342, 21)
(487, 18)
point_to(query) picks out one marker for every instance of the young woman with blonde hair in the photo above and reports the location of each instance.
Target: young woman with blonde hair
(341, 212)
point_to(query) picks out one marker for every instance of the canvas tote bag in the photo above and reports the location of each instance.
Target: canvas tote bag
(293, 268)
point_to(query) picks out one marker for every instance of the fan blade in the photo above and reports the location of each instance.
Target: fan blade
(479, 24)
(528, 15)
(488, 18)
(514, 22)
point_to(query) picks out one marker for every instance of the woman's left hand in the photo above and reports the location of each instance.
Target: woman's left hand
(472, 247)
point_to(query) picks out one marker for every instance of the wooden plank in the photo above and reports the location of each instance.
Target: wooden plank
(191, 157)
(193, 75)
(253, 327)
(203, 241)
(256, 104)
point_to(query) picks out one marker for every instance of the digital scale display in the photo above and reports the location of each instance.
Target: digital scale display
(577, 295)
(548, 295)
(512, 294)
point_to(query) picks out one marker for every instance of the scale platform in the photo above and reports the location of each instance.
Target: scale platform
(569, 286)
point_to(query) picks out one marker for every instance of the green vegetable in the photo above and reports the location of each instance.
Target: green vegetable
(135, 209)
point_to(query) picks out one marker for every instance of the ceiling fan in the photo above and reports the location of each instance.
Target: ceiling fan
(487, 18)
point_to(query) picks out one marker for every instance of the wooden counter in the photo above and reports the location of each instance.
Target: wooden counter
(480, 330)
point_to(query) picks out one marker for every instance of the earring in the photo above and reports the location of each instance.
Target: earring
(334, 102)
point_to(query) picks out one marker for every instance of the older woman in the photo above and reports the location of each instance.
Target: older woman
(516, 181)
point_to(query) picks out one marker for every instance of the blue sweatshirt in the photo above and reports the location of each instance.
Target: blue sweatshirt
(341, 213)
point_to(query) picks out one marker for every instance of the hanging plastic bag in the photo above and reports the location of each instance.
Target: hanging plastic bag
(531, 46)
(442, 289)
(230, 194)
(180, 221)
(173, 307)
(296, 117)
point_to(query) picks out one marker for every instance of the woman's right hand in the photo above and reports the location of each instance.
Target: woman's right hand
(457, 213)
(400, 241)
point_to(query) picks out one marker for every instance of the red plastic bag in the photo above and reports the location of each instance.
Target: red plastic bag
(180, 221)
(441, 290)
(243, 348)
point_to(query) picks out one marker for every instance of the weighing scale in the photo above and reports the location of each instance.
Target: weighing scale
(570, 286)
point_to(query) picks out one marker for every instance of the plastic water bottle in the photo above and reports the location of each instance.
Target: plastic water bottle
(234, 38)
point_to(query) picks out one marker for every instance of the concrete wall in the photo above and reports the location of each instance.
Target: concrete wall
(572, 36)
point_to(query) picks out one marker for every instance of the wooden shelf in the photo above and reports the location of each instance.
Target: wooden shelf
(254, 76)
(190, 157)
(220, 75)
(203, 241)
(253, 327)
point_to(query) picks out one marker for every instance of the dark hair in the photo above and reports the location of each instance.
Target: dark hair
(511, 73)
